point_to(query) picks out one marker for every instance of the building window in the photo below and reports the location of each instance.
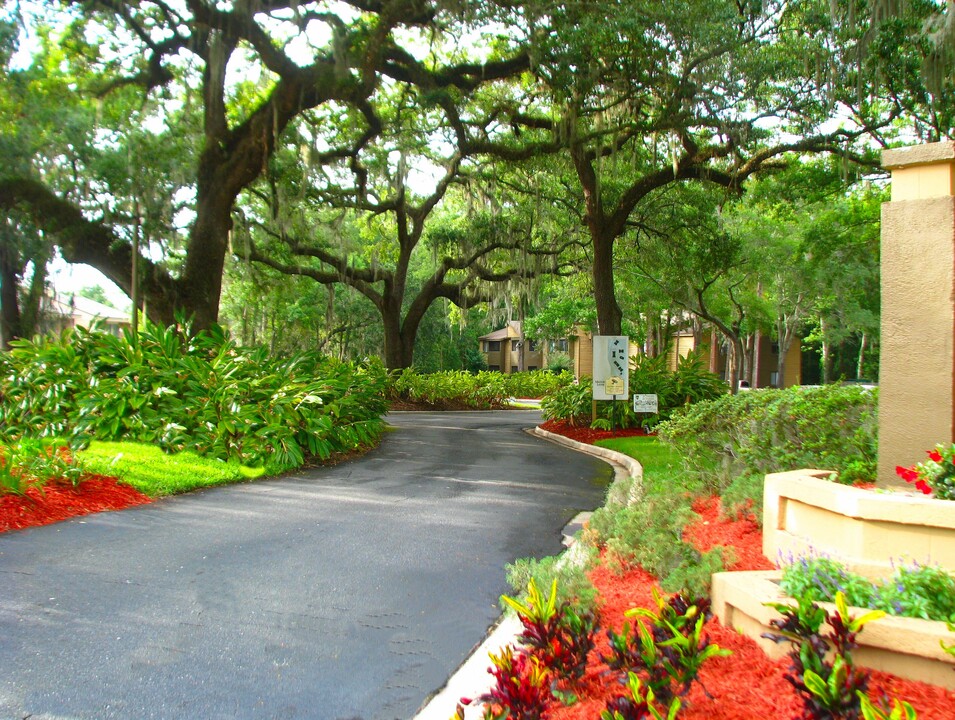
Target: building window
(513, 368)
(532, 346)
(494, 368)
(531, 367)
(774, 348)
(492, 346)
(559, 345)
(774, 379)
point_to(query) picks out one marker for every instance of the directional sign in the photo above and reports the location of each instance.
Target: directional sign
(611, 367)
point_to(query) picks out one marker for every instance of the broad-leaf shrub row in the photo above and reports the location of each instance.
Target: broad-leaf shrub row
(202, 393)
(691, 382)
(482, 390)
(750, 434)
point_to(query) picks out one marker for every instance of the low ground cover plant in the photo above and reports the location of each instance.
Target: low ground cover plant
(821, 667)
(646, 527)
(917, 591)
(156, 473)
(34, 462)
(740, 438)
(198, 392)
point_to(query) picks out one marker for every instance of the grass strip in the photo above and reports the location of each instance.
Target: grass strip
(151, 471)
(653, 455)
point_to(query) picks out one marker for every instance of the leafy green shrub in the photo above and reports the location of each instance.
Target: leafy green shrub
(536, 383)
(650, 534)
(33, 462)
(573, 585)
(743, 496)
(571, 403)
(200, 392)
(689, 383)
(483, 390)
(772, 430)
(918, 591)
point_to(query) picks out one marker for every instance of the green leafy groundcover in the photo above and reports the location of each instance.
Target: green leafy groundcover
(153, 472)
(199, 392)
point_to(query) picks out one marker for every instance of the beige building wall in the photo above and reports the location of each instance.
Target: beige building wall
(917, 362)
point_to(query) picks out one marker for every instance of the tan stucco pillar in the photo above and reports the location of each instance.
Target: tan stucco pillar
(917, 358)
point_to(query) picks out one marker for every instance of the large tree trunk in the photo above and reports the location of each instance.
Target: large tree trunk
(10, 325)
(609, 315)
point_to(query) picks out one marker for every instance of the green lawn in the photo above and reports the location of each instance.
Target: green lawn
(151, 471)
(648, 451)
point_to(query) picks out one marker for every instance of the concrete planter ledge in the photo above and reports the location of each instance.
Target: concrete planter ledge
(906, 647)
(868, 531)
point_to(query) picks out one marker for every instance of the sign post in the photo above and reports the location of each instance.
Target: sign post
(611, 380)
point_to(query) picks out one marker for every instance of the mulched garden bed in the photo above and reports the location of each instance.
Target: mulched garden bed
(586, 435)
(747, 685)
(58, 501)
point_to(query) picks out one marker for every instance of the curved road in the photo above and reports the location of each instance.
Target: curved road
(336, 593)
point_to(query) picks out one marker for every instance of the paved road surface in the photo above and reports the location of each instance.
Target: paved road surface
(338, 593)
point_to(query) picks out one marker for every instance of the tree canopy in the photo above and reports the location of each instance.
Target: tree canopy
(399, 152)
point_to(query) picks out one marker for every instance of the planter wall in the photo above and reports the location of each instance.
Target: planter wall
(905, 647)
(866, 530)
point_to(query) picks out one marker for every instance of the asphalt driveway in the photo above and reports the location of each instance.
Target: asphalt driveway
(337, 593)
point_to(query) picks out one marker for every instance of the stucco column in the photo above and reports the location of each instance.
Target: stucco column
(917, 357)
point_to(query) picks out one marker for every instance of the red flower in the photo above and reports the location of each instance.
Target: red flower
(934, 455)
(923, 486)
(907, 474)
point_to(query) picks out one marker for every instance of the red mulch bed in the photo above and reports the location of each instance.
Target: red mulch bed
(586, 435)
(58, 501)
(747, 685)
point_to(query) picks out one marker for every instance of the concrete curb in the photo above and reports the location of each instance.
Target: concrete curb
(472, 678)
(618, 460)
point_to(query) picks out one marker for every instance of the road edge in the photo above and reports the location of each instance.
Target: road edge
(472, 679)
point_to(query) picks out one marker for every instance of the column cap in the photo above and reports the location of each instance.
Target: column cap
(929, 154)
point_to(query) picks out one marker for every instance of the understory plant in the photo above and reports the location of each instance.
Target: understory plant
(33, 462)
(691, 382)
(560, 636)
(649, 533)
(666, 647)
(521, 689)
(821, 668)
(190, 391)
(917, 591)
(638, 703)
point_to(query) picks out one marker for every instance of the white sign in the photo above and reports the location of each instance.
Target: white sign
(611, 367)
(646, 404)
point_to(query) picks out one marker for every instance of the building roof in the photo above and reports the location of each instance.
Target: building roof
(511, 330)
